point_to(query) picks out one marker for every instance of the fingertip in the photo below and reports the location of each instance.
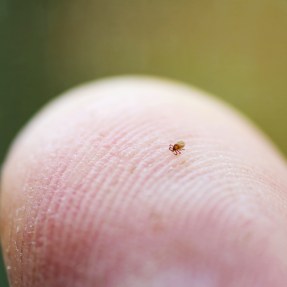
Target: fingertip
(93, 195)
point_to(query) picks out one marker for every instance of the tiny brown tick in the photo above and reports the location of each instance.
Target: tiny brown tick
(177, 148)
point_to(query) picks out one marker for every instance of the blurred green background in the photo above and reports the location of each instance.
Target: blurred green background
(235, 49)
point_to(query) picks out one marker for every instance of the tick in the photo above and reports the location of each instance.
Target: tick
(177, 148)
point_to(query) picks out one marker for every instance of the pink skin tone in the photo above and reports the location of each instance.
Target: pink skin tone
(91, 195)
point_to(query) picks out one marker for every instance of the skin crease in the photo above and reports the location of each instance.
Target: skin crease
(91, 195)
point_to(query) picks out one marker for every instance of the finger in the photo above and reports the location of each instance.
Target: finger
(92, 195)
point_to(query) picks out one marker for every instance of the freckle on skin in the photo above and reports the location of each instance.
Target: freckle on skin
(132, 169)
(156, 222)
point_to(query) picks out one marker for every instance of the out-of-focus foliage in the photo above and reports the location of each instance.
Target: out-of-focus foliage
(3, 277)
(236, 50)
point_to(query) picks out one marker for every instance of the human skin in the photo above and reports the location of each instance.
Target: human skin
(92, 196)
